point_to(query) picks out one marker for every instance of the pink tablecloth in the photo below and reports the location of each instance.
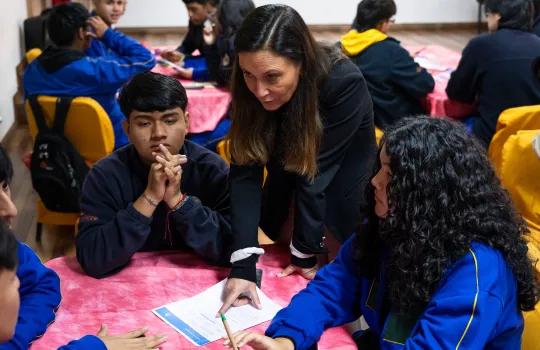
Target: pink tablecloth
(206, 106)
(440, 62)
(124, 301)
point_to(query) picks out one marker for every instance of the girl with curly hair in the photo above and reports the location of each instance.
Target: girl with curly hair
(442, 263)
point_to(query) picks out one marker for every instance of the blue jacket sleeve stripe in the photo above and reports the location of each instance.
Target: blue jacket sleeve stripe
(475, 300)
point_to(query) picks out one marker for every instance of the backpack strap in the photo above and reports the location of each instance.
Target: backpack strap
(60, 115)
(38, 113)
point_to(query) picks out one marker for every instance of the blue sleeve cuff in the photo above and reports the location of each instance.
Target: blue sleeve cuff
(88, 342)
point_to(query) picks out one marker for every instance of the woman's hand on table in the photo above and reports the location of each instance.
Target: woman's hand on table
(259, 342)
(307, 273)
(238, 292)
(134, 340)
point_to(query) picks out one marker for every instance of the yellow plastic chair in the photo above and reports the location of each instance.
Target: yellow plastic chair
(509, 123)
(518, 166)
(89, 129)
(378, 135)
(32, 55)
(222, 149)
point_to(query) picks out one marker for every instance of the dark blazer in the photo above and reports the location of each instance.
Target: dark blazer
(334, 199)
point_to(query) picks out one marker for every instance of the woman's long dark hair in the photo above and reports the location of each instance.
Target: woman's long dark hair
(443, 195)
(281, 30)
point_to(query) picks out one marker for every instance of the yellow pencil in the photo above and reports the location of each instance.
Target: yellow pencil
(229, 333)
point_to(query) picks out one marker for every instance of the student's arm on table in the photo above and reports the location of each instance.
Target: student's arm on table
(40, 297)
(134, 340)
(407, 74)
(331, 299)
(463, 83)
(109, 234)
(206, 227)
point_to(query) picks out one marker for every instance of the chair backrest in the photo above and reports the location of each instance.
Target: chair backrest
(509, 123)
(222, 149)
(519, 172)
(87, 127)
(32, 54)
(378, 135)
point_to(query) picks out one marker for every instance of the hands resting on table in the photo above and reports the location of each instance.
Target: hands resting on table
(134, 340)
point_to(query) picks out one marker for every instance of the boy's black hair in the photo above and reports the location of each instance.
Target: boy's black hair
(148, 92)
(515, 14)
(370, 13)
(6, 168)
(8, 248)
(65, 21)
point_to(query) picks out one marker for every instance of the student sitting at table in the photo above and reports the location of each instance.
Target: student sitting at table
(110, 12)
(495, 69)
(161, 192)
(38, 289)
(39, 286)
(202, 19)
(441, 264)
(64, 69)
(12, 304)
(230, 15)
(396, 83)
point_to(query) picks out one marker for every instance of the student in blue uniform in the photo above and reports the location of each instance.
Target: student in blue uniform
(110, 11)
(162, 192)
(442, 264)
(397, 84)
(65, 70)
(12, 301)
(38, 287)
(495, 68)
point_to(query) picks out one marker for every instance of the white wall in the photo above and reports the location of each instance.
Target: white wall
(12, 14)
(172, 13)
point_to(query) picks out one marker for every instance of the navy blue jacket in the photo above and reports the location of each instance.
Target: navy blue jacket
(40, 297)
(397, 84)
(111, 230)
(496, 69)
(536, 26)
(474, 307)
(62, 72)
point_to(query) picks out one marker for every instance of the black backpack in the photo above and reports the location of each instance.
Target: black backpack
(57, 169)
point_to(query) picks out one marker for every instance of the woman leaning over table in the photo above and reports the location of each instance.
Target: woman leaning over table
(303, 111)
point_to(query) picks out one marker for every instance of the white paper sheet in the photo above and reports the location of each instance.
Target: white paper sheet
(195, 317)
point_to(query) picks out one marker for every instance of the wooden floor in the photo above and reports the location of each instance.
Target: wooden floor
(58, 241)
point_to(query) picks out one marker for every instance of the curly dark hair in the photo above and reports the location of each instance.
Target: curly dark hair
(443, 195)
